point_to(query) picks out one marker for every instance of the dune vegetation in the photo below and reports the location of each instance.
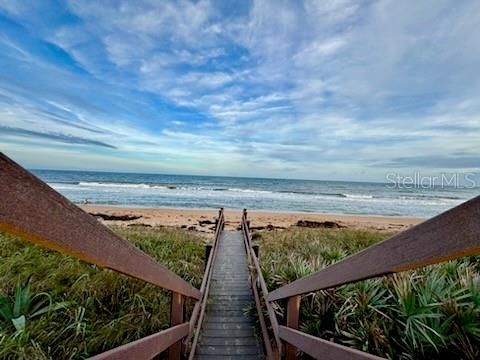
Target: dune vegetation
(57, 307)
(430, 313)
(54, 306)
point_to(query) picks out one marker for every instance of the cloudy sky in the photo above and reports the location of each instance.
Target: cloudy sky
(321, 89)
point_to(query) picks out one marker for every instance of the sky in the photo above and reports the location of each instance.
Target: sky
(327, 89)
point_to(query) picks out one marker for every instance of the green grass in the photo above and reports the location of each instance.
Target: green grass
(430, 313)
(105, 309)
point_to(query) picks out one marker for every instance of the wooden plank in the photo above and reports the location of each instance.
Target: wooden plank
(230, 258)
(201, 305)
(34, 211)
(450, 235)
(322, 349)
(206, 275)
(293, 316)
(148, 347)
(176, 318)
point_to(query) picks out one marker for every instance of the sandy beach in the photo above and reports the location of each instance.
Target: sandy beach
(202, 220)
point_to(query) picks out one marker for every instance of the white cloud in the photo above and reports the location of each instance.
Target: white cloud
(312, 84)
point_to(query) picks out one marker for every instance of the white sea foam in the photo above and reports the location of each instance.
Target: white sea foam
(357, 196)
(260, 194)
(250, 191)
(166, 187)
(107, 184)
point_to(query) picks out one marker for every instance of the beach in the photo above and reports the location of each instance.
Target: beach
(267, 195)
(202, 220)
(192, 202)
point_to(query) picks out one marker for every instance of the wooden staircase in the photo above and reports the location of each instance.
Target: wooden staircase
(228, 332)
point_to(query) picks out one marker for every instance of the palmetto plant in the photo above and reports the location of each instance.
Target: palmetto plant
(419, 315)
(429, 313)
(105, 310)
(23, 306)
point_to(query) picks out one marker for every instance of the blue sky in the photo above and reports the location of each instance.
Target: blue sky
(325, 89)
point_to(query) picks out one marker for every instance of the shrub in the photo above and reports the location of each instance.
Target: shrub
(105, 309)
(430, 313)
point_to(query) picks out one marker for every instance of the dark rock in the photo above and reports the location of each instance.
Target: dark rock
(206, 222)
(139, 225)
(192, 228)
(319, 224)
(269, 227)
(256, 236)
(116, 217)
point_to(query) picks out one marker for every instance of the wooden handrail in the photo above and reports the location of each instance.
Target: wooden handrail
(263, 287)
(452, 234)
(208, 272)
(201, 305)
(322, 349)
(34, 211)
(261, 319)
(253, 262)
(147, 347)
(31, 209)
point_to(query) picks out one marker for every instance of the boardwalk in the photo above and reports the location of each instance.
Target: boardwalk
(227, 333)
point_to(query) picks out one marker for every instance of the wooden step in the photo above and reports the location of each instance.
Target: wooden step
(227, 331)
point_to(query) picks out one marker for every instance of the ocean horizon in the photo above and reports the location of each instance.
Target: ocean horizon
(267, 194)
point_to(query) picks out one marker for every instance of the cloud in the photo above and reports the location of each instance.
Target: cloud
(67, 139)
(322, 88)
(437, 162)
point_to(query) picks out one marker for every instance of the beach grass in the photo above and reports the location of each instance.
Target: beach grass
(102, 309)
(430, 313)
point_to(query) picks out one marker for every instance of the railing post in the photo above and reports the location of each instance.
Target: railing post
(176, 318)
(256, 249)
(293, 314)
(217, 221)
(208, 250)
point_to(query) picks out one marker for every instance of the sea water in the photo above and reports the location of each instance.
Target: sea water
(182, 191)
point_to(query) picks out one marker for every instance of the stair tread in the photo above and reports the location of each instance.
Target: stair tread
(227, 331)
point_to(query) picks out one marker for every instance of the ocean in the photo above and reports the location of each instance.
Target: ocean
(182, 191)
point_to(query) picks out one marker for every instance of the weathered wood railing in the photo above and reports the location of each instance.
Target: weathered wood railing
(450, 235)
(201, 306)
(32, 210)
(260, 292)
